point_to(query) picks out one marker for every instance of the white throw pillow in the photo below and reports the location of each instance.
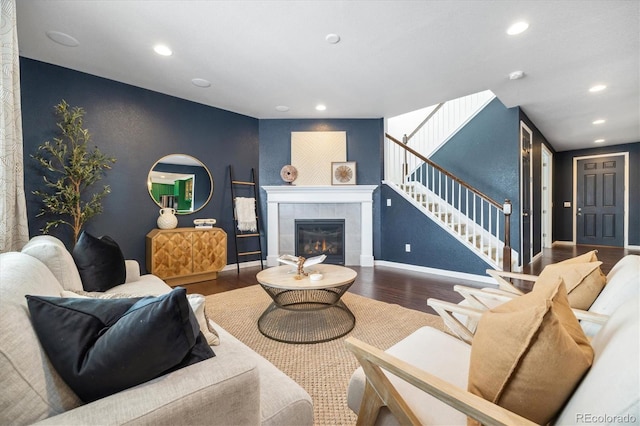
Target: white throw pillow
(197, 302)
(52, 252)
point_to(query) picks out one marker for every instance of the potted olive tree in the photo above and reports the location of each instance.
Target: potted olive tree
(72, 169)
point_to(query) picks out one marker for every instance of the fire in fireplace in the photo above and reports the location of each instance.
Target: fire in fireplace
(321, 236)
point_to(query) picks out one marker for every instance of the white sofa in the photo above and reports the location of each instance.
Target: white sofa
(236, 387)
(608, 393)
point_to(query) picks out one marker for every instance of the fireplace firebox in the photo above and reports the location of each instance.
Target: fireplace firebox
(321, 236)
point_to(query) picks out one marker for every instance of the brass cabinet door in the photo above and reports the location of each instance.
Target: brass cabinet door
(209, 250)
(172, 254)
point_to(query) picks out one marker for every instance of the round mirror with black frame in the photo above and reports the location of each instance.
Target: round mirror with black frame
(180, 182)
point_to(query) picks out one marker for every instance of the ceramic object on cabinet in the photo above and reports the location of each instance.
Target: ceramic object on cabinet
(167, 219)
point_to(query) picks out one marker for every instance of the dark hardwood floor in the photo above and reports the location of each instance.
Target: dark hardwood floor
(408, 288)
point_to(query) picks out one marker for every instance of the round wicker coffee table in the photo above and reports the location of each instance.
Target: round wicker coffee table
(306, 311)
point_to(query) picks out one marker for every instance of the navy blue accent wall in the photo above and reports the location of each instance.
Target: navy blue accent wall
(364, 146)
(563, 189)
(138, 127)
(431, 246)
(486, 155)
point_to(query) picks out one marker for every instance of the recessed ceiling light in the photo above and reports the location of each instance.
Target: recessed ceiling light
(162, 50)
(282, 108)
(517, 28)
(200, 82)
(332, 38)
(62, 38)
(599, 140)
(516, 75)
(598, 88)
(599, 121)
(321, 107)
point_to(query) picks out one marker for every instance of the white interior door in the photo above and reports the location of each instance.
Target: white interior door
(547, 197)
(526, 194)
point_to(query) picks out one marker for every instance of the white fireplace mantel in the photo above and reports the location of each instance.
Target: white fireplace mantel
(348, 194)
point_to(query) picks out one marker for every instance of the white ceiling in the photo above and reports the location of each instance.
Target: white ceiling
(393, 57)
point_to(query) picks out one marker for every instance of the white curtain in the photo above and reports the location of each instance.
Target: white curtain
(14, 231)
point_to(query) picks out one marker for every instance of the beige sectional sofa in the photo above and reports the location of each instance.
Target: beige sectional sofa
(236, 387)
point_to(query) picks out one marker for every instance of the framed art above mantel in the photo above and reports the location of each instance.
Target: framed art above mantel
(343, 173)
(313, 152)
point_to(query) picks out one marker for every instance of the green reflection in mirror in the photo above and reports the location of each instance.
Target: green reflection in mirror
(180, 182)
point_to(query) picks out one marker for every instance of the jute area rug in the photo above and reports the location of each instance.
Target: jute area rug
(322, 369)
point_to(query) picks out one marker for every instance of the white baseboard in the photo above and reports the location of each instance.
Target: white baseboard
(443, 272)
(570, 243)
(536, 257)
(562, 243)
(242, 265)
(424, 269)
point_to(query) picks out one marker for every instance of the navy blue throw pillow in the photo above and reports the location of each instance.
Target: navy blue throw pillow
(100, 262)
(102, 346)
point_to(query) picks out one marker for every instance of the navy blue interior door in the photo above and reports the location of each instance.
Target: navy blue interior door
(600, 201)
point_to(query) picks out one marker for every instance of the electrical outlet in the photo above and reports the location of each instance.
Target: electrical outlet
(407, 248)
(388, 202)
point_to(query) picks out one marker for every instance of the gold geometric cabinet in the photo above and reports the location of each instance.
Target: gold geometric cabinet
(186, 255)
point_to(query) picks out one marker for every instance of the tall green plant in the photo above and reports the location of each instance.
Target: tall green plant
(73, 169)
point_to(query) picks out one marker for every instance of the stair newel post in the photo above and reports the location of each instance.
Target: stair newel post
(405, 165)
(506, 251)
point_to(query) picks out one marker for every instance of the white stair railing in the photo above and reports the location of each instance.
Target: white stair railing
(475, 219)
(443, 121)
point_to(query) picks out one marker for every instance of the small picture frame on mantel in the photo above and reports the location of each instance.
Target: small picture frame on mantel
(343, 173)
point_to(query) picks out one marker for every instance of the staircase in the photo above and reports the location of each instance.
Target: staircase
(477, 221)
(440, 122)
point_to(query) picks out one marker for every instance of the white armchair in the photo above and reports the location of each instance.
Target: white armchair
(379, 391)
(461, 319)
(621, 285)
(422, 380)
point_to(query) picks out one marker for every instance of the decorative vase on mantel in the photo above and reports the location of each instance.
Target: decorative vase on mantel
(167, 219)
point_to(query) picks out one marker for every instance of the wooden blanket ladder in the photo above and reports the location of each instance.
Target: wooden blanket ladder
(243, 238)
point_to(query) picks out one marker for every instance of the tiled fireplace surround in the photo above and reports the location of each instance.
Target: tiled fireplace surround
(353, 203)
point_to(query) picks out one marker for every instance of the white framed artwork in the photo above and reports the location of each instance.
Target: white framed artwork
(312, 154)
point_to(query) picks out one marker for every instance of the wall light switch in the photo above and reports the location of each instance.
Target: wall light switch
(567, 204)
(407, 248)
(388, 202)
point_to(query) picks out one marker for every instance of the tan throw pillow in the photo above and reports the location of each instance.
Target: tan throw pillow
(529, 354)
(196, 301)
(584, 281)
